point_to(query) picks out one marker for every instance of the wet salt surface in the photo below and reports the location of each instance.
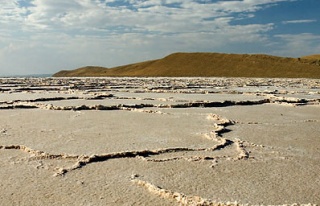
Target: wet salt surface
(118, 141)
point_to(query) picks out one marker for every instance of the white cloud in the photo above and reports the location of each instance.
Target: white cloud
(298, 44)
(10, 11)
(301, 21)
(245, 5)
(148, 16)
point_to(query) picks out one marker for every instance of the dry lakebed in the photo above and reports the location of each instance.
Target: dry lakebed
(159, 141)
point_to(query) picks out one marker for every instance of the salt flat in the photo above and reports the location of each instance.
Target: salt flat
(159, 141)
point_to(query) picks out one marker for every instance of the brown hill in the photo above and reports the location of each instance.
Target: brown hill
(313, 57)
(209, 65)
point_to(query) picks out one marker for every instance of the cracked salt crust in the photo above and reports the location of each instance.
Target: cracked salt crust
(223, 142)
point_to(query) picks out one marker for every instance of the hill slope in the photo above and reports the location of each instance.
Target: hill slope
(210, 64)
(314, 57)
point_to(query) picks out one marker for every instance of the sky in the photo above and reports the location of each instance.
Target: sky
(46, 36)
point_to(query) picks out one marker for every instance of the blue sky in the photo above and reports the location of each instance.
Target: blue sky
(45, 36)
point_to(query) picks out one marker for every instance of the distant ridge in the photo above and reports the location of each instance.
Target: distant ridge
(209, 65)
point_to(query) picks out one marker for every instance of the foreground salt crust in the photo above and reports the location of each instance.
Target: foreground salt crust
(159, 141)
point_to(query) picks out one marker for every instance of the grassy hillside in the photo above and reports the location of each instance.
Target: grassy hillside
(312, 57)
(210, 64)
